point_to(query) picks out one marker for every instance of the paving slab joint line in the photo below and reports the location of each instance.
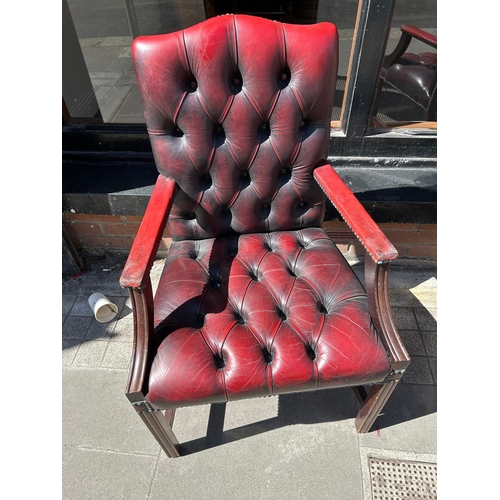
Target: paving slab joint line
(113, 452)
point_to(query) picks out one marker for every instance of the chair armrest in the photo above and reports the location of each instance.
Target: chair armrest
(408, 31)
(420, 34)
(140, 260)
(354, 214)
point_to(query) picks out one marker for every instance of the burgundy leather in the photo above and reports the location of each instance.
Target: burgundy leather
(147, 240)
(357, 218)
(416, 76)
(239, 114)
(254, 300)
(420, 34)
(260, 314)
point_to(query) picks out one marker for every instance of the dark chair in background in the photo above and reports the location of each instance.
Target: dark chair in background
(408, 86)
(255, 299)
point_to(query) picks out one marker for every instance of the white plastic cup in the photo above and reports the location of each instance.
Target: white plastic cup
(104, 309)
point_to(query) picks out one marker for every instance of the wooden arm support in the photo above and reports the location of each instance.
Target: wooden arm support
(377, 289)
(420, 34)
(408, 32)
(354, 214)
(142, 305)
(136, 278)
(140, 260)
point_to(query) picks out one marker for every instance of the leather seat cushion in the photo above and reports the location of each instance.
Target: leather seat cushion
(259, 314)
(415, 75)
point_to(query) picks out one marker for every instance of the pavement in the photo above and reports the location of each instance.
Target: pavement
(300, 446)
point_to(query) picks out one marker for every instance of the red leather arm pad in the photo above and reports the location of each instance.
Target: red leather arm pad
(420, 34)
(148, 237)
(354, 214)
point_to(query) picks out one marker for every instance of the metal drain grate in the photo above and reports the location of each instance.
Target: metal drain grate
(403, 480)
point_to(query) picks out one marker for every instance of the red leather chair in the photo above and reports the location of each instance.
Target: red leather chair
(254, 299)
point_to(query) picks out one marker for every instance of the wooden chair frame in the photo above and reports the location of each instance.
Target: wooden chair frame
(136, 277)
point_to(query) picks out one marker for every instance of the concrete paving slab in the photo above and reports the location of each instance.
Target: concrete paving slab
(90, 474)
(75, 327)
(90, 354)
(301, 461)
(408, 421)
(413, 342)
(104, 59)
(200, 428)
(404, 318)
(124, 330)
(430, 343)
(118, 355)
(419, 372)
(100, 331)
(67, 303)
(426, 318)
(113, 100)
(96, 414)
(69, 350)
(433, 365)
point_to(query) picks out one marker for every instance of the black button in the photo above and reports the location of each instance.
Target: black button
(219, 361)
(310, 352)
(267, 355)
(281, 314)
(239, 318)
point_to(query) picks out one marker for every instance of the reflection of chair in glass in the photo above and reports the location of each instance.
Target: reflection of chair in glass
(254, 298)
(409, 81)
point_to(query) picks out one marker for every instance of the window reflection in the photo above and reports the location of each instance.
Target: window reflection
(407, 93)
(103, 32)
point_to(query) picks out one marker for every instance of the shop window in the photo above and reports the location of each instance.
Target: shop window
(98, 75)
(407, 93)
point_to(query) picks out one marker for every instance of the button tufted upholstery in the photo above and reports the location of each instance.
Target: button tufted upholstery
(254, 298)
(416, 75)
(239, 126)
(260, 314)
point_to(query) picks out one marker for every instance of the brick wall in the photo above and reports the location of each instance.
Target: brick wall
(116, 233)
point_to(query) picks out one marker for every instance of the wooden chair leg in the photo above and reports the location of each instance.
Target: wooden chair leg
(160, 425)
(373, 404)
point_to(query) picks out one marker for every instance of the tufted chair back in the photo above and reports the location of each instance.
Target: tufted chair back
(239, 118)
